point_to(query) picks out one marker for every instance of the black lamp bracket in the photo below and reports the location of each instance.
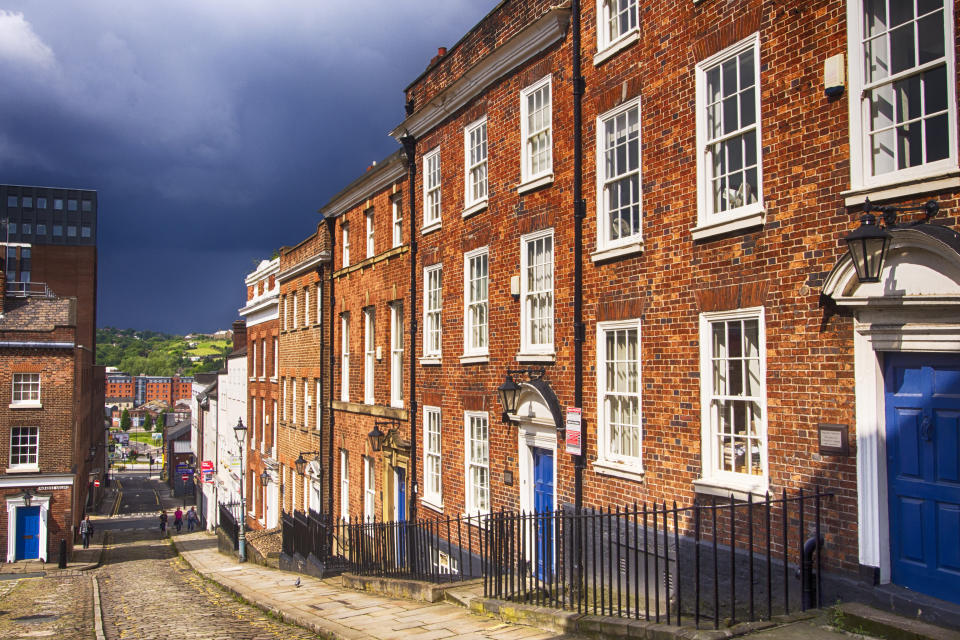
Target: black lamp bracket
(889, 212)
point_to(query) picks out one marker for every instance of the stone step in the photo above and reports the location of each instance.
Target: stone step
(862, 618)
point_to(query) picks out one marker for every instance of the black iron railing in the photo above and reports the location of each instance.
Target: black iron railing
(229, 518)
(737, 559)
(431, 549)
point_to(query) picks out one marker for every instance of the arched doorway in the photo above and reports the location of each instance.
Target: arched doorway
(907, 371)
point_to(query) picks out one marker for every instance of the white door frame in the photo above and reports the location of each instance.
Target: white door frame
(914, 308)
(13, 502)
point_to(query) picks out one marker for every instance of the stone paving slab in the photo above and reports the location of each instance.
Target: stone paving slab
(328, 608)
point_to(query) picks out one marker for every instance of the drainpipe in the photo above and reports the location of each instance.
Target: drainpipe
(410, 150)
(579, 330)
(330, 421)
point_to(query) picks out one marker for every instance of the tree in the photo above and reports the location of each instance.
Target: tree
(147, 422)
(161, 422)
(125, 422)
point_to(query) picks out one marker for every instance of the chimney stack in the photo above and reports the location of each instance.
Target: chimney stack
(239, 334)
(441, 51)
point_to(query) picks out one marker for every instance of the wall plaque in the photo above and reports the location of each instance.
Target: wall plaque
(834, 439)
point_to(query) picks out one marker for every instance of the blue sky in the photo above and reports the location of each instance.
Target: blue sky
(212, 130)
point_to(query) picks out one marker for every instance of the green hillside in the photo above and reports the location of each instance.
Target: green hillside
(159, 354)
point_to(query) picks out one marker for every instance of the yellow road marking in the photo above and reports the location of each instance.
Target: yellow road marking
(116, 505)
(157, 496)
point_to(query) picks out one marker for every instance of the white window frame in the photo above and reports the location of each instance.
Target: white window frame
(283, 311)
(371, 244)
(293, 403)
(608, 460)
(306, 306)
(396, 207)
(369, 489)
(476, 306)
(476, 457)
(859, 105)
(263, 358)
(344, 485)
(306, 403)
(528, 177)
(273, 443)
(475, 168)
(33, 465)
(276, 357)
(369, 354)
(295, 320)
(432, 315)
(608, 43)
(319, 293)
(284, 397)
(632, 240)
(317, 407)
(396, 354)
(715, 478)
(528, 297)
(740, 216)
(345, 244)
(26, 392)
(432, 458)
(432, 179)
(253, 360)
(345, 356)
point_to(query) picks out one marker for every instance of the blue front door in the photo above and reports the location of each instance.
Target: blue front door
(28, 533)
(923, 471)
(543, 505)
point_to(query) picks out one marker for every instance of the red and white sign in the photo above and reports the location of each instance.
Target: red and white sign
(185, 477)
(96, 483)
(574, 435)
(206, 465)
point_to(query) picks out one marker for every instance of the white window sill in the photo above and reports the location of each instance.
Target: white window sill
(616, 47)
(24, 468)
(273, 379)
(430, 361)
(619, 470)
(475, 518)
(26, 405)
(536, 357)
(475, 359)
(602, 255)
(724, 489)
(903, 188)
(474, 208)
(535, 183)
(427, 228)
(434, 506)
(749, 221)
(396, 404)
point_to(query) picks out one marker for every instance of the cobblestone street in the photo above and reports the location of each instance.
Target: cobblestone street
(147, 592)
(53, 607)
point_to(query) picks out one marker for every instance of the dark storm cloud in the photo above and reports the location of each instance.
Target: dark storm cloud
(212, 130)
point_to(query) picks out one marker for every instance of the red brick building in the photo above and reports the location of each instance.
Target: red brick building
(261, 314)
(371, 275)
(304, 373)
(725, 153)
(51, 425)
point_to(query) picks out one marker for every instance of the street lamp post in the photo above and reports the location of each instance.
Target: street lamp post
(240, 431)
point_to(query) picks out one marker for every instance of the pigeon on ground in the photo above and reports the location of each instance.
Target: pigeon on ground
(297, 583)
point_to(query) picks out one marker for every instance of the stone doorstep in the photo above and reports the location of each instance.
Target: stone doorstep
(889, 625)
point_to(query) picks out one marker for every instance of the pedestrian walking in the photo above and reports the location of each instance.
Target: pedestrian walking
(192, 519)
(163, 522)
(178, 519)
(86, 530)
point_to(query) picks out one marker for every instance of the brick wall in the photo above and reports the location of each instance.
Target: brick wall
(304, 355)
